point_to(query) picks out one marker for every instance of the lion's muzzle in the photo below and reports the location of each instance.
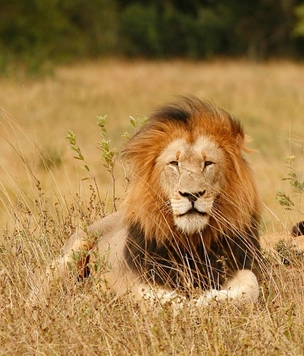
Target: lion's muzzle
(192, 196)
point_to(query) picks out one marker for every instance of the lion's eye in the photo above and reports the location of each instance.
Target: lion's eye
(173, 163)
(208, 163)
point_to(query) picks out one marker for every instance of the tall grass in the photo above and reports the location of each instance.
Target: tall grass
(45, 195)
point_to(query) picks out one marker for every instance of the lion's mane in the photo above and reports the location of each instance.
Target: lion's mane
(226, 244)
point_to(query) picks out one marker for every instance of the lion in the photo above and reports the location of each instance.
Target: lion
(190, 218)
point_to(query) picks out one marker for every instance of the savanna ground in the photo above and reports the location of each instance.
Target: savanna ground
(45, 194)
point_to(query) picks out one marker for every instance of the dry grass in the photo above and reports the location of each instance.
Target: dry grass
(41, 206)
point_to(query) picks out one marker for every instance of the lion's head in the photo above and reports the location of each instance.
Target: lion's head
(188, 174)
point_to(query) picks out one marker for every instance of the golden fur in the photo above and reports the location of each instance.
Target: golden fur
(239, 199)
(190, 215)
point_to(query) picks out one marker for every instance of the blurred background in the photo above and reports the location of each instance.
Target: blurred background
(38, 32)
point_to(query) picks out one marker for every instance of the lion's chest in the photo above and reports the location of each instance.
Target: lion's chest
(180, 266)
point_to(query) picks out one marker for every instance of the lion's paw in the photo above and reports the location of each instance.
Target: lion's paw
(164, 297)
(210, 295)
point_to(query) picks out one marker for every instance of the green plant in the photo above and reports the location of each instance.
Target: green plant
(297, 185)
(72, 139)
(136, 122)
(108, 154)
(94, 189)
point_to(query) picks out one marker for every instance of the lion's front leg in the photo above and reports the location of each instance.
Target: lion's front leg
(75, 258)
(242, 288)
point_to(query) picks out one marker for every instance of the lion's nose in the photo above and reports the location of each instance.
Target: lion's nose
(192, 196)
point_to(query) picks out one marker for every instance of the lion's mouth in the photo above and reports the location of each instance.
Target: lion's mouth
(193, 211)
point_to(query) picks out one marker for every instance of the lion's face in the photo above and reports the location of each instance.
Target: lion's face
(188, 175)
(191, 180)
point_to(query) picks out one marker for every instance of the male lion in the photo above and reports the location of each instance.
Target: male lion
(191, 213)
